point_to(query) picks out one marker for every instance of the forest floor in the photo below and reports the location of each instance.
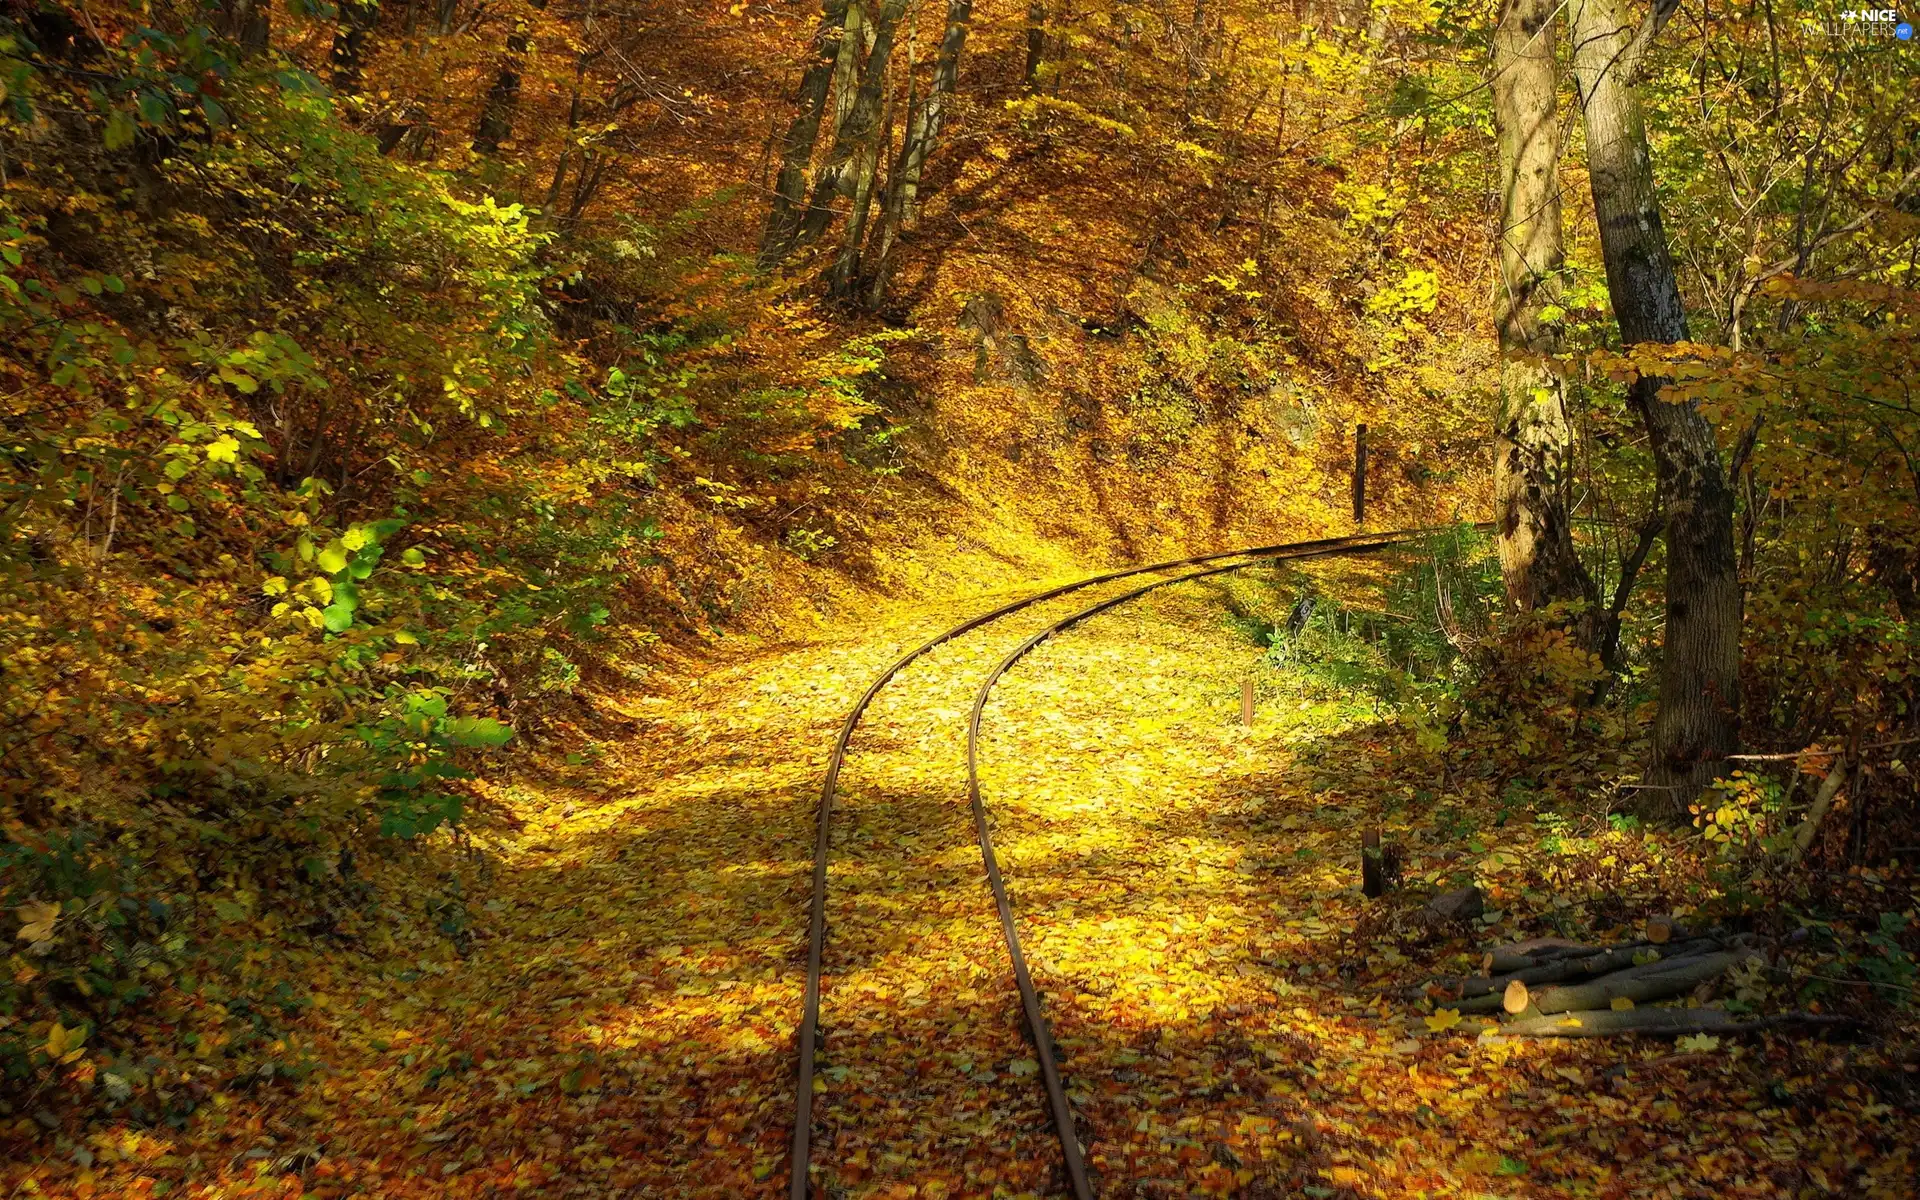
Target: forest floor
(615, 1014)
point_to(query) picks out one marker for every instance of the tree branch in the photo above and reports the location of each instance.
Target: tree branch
(1633, 58)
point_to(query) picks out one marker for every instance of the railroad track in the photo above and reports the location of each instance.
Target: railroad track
(1204, 565)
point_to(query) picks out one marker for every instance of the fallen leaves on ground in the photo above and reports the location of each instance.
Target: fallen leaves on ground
(623, 1021)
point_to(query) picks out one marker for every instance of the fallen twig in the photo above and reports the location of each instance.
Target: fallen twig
(1822, 801)
(1817, 751)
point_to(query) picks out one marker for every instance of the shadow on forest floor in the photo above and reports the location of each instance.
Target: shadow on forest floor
(1232, 1015)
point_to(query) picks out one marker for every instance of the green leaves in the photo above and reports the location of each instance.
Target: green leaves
(421, 737)
(478, 732)
(345, 562)
(337, 616)
(119, 131)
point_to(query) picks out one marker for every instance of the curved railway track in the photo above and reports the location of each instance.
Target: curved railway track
(1037, 1028)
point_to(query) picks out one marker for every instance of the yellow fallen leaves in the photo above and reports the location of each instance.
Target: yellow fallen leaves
(37, 920)
(1443, 1020)
(65, 1045)
(639, 965)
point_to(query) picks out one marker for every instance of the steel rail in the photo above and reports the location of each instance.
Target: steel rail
(1023, 979)
(817, 918)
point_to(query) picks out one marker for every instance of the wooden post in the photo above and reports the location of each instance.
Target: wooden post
(1360, 474)
(1246, 702)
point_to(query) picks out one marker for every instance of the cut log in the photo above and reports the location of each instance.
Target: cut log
(1655, 1022)
(1505, 964)
(1535, 952)
(1616, 966)
(1660, 930)
(1656, 981)
(1545, 947)
(1563, 970)
(1515, 999)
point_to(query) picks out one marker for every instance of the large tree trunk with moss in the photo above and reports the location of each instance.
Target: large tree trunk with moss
(1533, 437)
(1697, 726)
(924, 124)
(803, 133)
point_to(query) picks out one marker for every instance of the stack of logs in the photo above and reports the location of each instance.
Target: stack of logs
(1559, 988)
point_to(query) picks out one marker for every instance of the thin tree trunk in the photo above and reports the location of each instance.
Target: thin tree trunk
(843, 280)
(1698, 721)
(796, 149)
(839, 174)
(503, 98)
(924, 125)
(348, 52)
(561, 164)
(567, 146)
(1533, 437)
(249, 23)
(1036, 45)
(846, 64)
(586, 183)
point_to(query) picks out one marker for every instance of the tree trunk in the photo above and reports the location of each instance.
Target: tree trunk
(248, 23)
(1584, 966)
(503, 98)
(1698, 721)
(923, 135)
(843, 280)
(853, 141)
(1533, 437)
(1659, 981)
(1036, 45)
(570, 142)
(1653, 1022)
(796, 149)
(846, 64)
(348, 53)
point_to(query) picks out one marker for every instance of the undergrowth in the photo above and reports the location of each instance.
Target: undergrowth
(316, 485)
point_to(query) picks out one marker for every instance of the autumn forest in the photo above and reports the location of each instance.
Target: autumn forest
(864, 599)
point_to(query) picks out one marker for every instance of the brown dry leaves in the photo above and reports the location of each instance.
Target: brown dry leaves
(1187, 892)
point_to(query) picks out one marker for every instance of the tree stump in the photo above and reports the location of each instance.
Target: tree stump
(1379, 865)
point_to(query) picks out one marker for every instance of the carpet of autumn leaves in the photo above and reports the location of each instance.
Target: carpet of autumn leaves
(614, 1013)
